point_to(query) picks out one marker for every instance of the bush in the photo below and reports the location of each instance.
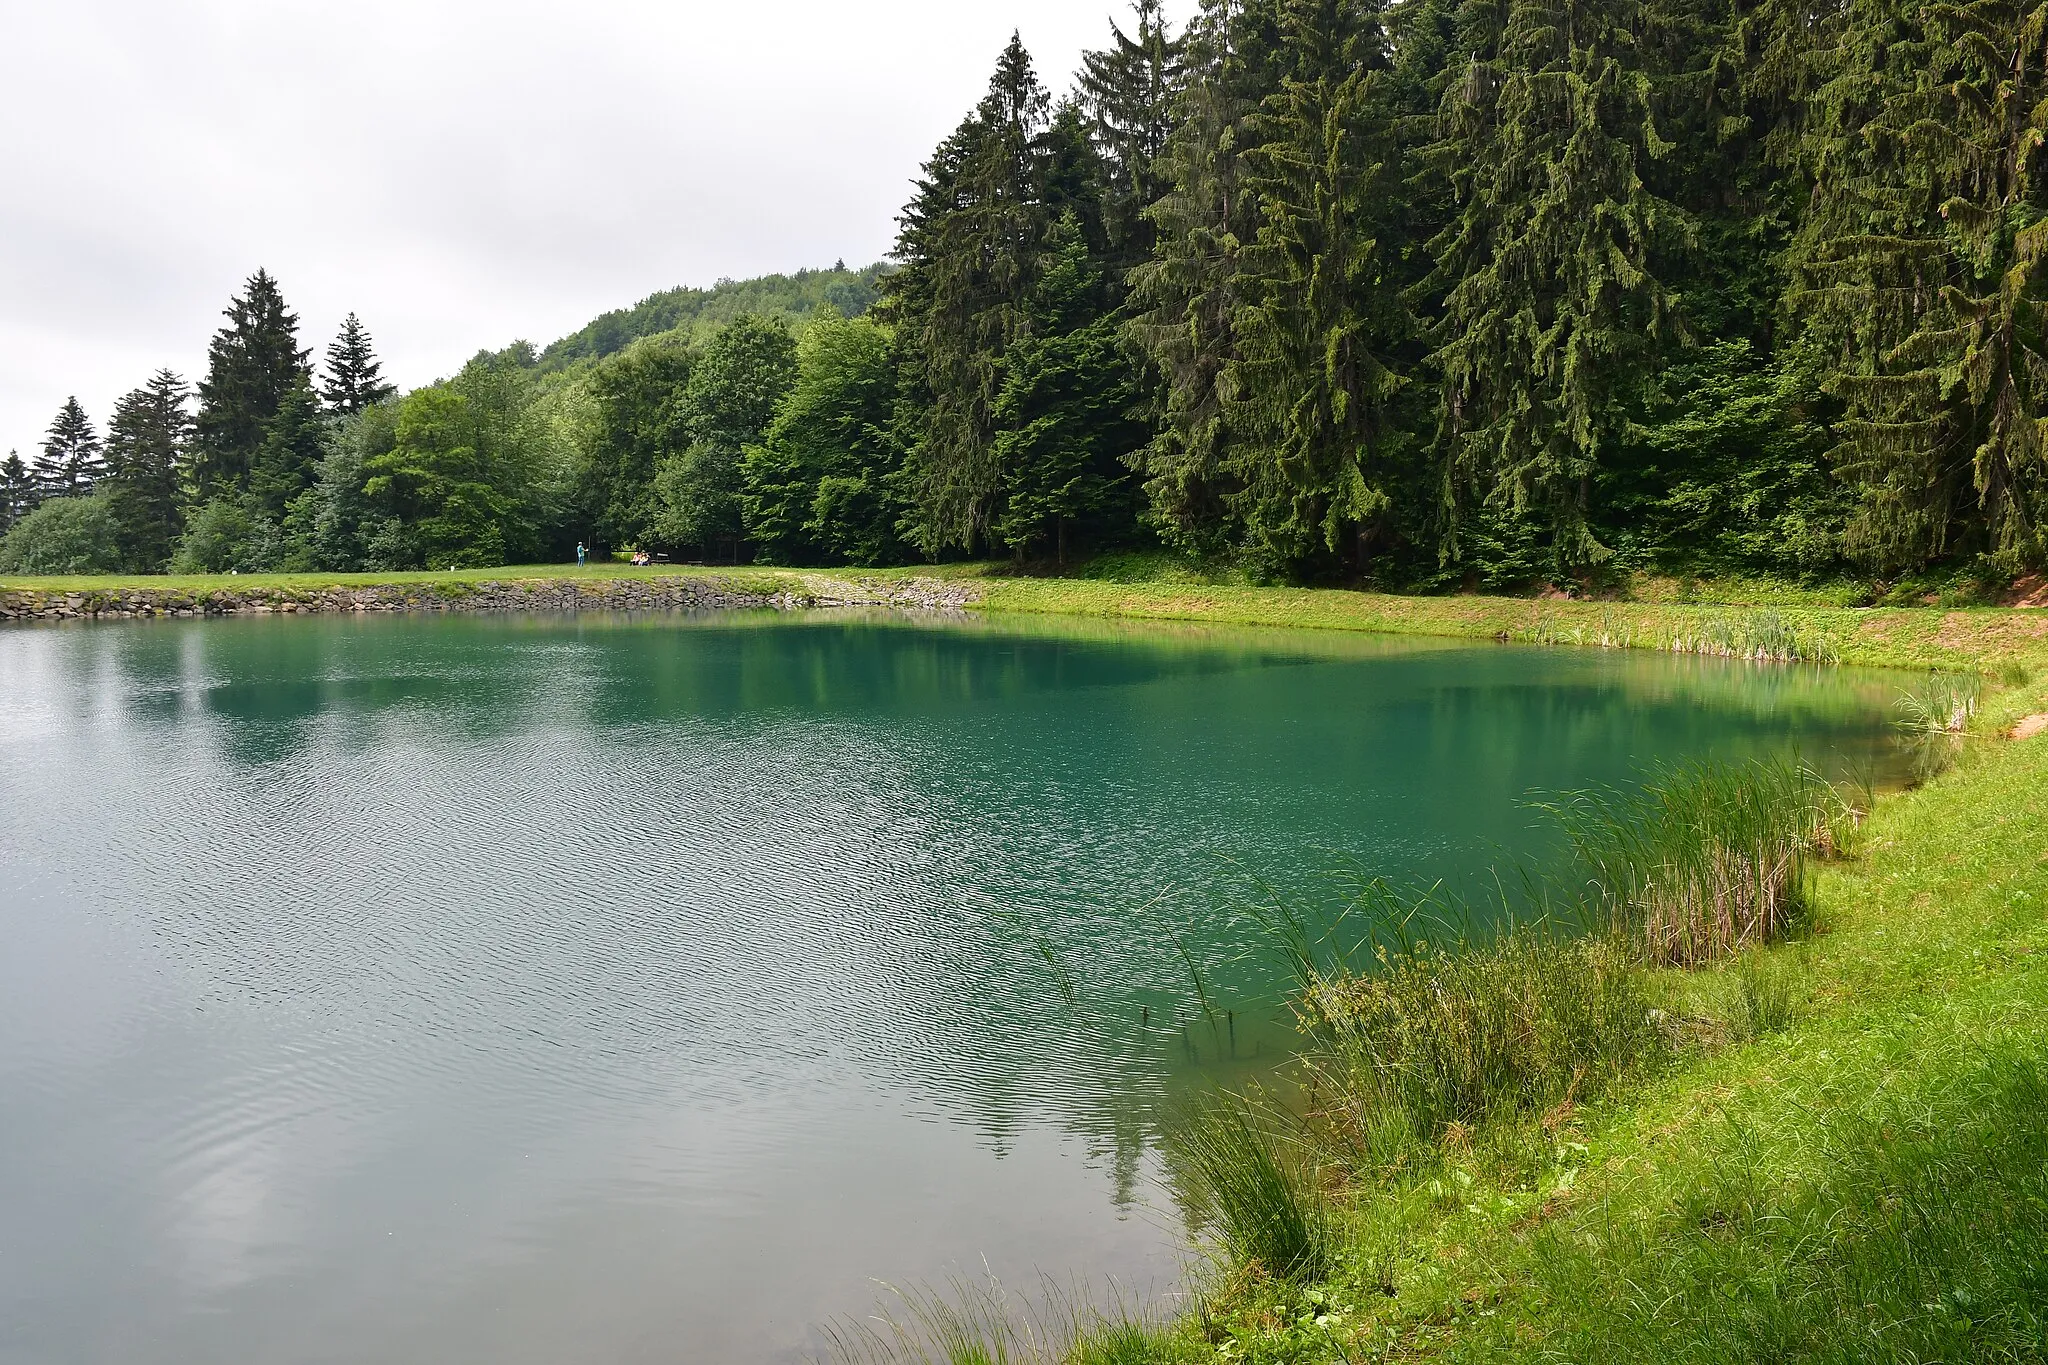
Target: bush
(221, 535)
(65, 536)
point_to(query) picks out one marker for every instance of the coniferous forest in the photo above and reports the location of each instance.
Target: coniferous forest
(1417, 294)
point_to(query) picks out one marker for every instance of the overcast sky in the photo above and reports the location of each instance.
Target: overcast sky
(460, 173)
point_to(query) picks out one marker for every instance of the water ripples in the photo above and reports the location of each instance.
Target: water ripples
(464, 932)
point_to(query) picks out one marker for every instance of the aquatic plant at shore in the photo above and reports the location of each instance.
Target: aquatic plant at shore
(1252, 1186)
(1711, 859)
(1436, 1039)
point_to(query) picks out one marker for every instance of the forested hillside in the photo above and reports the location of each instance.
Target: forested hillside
(1421, 293)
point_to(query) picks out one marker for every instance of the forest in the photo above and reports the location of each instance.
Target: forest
(1421, 295)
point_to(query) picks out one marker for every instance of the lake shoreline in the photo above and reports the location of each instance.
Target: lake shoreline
(670, 592)
(1975, 639)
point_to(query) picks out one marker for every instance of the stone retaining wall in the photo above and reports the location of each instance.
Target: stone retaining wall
(664, 593)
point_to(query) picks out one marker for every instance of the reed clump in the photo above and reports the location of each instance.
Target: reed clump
(1436, 1039)
(1253, 1187)
(1932, 720)
(1711, 860)
(981, 1322)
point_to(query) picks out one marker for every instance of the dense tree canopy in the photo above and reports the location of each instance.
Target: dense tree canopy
(1406, 292)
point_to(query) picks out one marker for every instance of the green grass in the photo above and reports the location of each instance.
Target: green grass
(317, 581)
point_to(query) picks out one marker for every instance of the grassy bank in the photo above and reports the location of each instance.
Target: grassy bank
(1986, 638)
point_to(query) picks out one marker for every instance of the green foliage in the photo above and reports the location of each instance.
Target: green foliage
(439, 480)
(970, 249)
(227, 533)
(1726, 467)
(254, 368)
(1430, 294)
(1546, 270)
(145, 468)
(1319, 309)
(731, 396)
(355, 378)
(1185, 298)
(72, 460)
(1063, 419)
(692, 315)
(19, 491)
(75, 535)
(1919, 263)
(1128, 91)
(820, 484)
(642, 419)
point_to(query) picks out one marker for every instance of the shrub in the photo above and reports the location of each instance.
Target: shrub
(227, 533)
(65, 536)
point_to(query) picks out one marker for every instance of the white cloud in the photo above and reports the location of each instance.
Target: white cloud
(460, 173)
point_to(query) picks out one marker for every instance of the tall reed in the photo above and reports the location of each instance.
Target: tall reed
(1435, 1039)
(1711, 859)
(1932, 720)
(1253, 1188)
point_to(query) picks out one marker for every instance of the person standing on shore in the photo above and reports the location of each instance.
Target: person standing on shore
(580, 554)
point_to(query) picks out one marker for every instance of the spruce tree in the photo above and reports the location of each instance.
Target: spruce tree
(355, 377)
(970, 244)
(19, 492)
(1128, 91)
(287, 460)
(72, 460)
(1186, 298)
(1064, 418)
(1545, 282)
(146, 448)
(253, 364)
(1319, 310)
(1919, 265)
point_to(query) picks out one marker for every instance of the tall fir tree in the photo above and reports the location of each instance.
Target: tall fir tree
(1545, 288)
(355, 377)
(971, 242)
(72, 461)
(1319, 306)
(1920, 264)
(19, 492)
(254, 365)
(1064, 419)
(1128, 91)
(1187, 300)
(146, 451)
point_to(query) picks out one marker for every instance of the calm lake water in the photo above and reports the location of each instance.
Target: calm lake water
(635, 990)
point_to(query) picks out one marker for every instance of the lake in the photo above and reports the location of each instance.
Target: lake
(526, 989)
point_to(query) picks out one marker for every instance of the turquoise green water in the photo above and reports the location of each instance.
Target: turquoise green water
(531, 989)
